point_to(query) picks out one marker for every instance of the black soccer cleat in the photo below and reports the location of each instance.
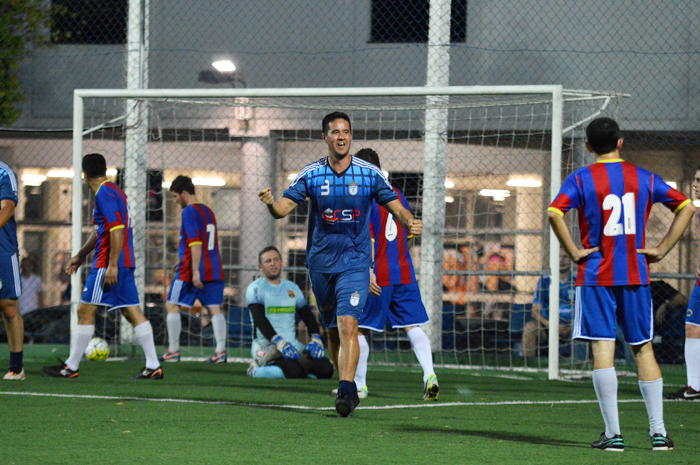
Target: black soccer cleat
(345, 406)
(661, 442)
(60, 371)
(613, 444)
(686, 393)
(148, 373)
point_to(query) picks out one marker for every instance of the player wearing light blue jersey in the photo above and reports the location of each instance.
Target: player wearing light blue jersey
(339, 251)
(273, 303)
(10, 282)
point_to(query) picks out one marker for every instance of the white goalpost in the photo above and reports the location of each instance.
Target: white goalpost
(453, 151)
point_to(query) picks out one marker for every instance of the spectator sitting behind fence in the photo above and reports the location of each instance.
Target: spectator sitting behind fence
(452, 284)
(496, 309)
(32, 292)
(536, 330)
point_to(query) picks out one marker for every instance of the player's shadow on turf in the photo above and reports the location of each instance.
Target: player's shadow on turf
(498, 435)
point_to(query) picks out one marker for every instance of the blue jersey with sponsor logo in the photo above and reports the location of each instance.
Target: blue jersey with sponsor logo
(281, 302)
(339, 236)
(8, 191)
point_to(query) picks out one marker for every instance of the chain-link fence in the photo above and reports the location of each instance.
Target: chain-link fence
(648, 50)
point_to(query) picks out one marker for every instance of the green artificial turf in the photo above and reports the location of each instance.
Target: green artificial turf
(204, 413)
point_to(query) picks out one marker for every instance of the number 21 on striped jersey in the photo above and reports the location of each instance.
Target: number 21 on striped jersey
(211, 232)
(613, 227)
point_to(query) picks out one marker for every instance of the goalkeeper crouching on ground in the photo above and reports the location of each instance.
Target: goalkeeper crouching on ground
(273, 302)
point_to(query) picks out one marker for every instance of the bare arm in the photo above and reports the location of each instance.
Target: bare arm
(537, 315)
(116, 244)
(7, 211)
(558, 225)
(404, 217)
(196, 250)
(79, 258)
(678, 227)
(278, 209)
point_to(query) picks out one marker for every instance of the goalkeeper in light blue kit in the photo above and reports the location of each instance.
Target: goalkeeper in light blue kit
(273, 303)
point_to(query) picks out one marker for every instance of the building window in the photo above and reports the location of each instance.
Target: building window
(92, 22)
(406, 21)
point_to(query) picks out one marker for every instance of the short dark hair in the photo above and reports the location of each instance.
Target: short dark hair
(370, 156)
(94, 165)
(602, 135)
(330, 117)
(265, 250)
(182, 184)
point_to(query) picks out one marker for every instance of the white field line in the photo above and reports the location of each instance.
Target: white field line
(306, 407)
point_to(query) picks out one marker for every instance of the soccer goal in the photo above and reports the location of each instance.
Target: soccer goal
(478, 165)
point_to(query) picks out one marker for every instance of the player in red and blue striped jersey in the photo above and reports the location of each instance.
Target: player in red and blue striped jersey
(10, 282)
(395, 296)
(692, 332)
(199, 274)
(613, 199)
(110, 282)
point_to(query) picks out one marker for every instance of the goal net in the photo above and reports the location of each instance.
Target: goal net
(478, 165)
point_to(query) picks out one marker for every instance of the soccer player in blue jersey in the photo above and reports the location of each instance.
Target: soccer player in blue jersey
(395, 296)
(273, 303)
(614, 199)
(339, 250)
(692, 332)
(199, 274)
(10, 282)
(110, 282)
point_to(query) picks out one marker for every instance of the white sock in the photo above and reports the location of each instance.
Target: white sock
(605, 384)
(174, 324)
(692, 362)
(361, 371)
(218, 324)
(421, 347)
(144, 333)
(82, 337)
(653, 392)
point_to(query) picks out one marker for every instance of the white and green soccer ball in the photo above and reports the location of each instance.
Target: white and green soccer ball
(97, 349)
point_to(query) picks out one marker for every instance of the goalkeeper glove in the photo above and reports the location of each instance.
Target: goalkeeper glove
(315, 347)
(287, 350)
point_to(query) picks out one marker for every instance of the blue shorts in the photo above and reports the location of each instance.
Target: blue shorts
(122, 294)
(185, 293)
(340, 294)
(597, 307)
(400, 304)
(692, 315)
(10, 282)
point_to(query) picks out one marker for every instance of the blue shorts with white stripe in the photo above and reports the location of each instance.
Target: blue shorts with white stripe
(10, 282)
(121, 294)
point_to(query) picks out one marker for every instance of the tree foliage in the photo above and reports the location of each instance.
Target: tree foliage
(24, 25)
